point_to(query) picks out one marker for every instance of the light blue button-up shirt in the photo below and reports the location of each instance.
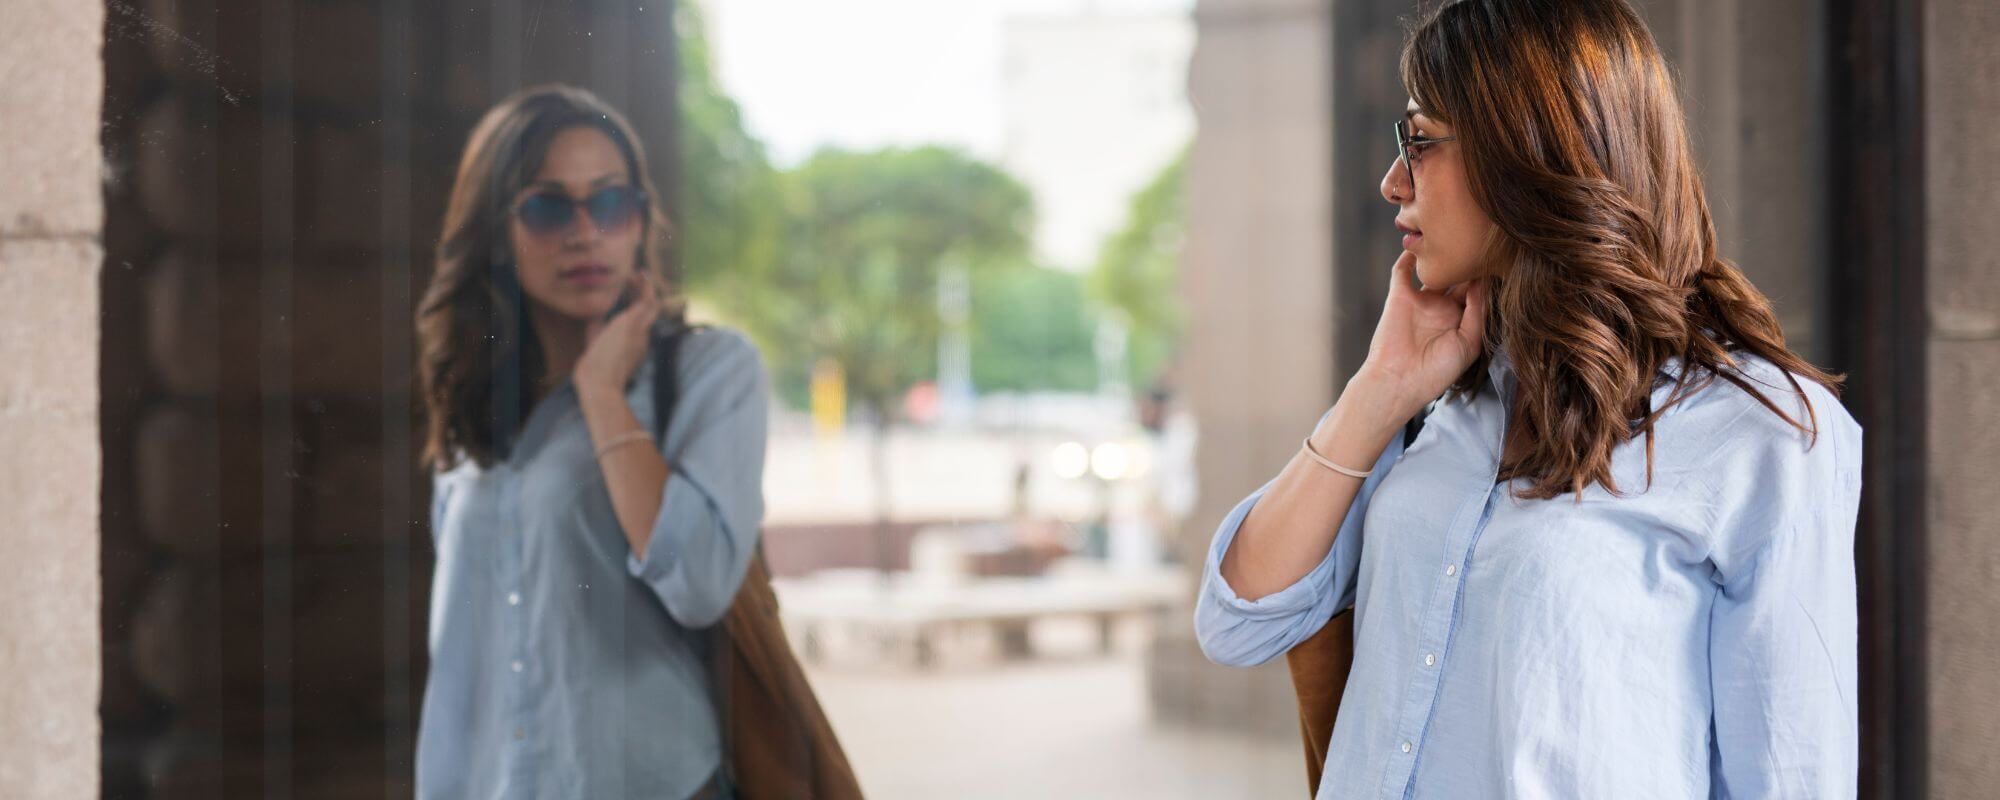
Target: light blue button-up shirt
(1691, 639)
(562, 665)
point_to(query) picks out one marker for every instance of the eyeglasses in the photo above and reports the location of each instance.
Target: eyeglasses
(550, 212)
(1409, 147)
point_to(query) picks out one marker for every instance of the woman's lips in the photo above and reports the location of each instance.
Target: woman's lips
(1410, 240)
(587, 275)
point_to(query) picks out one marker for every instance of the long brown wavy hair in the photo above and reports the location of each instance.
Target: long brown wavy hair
(1605, 262)
(478, 354)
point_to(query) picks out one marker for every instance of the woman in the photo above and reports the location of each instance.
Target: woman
(1617, 560)
(577, 566)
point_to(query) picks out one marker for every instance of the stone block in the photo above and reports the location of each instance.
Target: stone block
(184, 183)
(203, 321)
(48, 339)
(126, 702)
(202, 176)
(185, 765)
(212, 48)
(183, 306)
(200, 637)
(49, 646)
(336, 51)
(177, 637)
(131, 238)
(187, 504)
(126, 567)
(1962, 171)
(51, 91)
(343, 172)
(343, 486)
(131, 75)
(479, 68)
(1964, 559)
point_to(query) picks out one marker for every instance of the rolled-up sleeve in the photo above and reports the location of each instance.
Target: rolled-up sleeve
(1238, 632)
(713, 504)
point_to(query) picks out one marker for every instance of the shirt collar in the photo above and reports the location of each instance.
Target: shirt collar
(1499, 368)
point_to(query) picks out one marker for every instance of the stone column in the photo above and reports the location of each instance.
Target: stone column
(51, 88)
(1962, 273)
(1258, 288)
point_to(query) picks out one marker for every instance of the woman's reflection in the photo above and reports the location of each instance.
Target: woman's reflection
(576, 565)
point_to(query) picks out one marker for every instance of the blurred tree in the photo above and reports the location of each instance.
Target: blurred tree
(867, 237)
(1032, 330)
(1137, 271)
(731, 196)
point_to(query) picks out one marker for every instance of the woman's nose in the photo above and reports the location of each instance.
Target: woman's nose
(1396, 184)
(582, 231)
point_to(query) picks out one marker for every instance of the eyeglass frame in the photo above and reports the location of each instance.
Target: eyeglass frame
(1407, 150)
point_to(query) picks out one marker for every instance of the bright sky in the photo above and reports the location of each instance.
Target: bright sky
(873, 73)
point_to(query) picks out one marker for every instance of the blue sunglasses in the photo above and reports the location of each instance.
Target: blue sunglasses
(551, 212)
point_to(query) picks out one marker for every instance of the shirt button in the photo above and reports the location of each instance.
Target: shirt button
(1406, 747)
(1430, 659)
(513, 598)
(517, 666)
(1451, 569)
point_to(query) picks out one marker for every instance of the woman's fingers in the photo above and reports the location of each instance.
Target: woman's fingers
(1402, 276)
(1472, 322)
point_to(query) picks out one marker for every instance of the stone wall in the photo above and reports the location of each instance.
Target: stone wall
(50, 254)
(1962, 277)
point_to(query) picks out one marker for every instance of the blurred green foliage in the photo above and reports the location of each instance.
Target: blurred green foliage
(840, 258)
(1137, 272)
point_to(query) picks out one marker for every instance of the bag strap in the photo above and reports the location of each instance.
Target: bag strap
(1416, 425)
(666, 378)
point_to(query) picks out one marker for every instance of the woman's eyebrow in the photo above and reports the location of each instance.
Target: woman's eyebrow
(1411, 114)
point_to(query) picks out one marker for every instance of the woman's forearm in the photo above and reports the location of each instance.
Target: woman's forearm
(635, 474)
(1291, 529)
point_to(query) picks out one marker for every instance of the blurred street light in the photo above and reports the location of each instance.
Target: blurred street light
(1070, 460)
(1110, 461)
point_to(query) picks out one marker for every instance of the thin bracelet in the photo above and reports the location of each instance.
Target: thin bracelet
(1307, 443)
(621, 440)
